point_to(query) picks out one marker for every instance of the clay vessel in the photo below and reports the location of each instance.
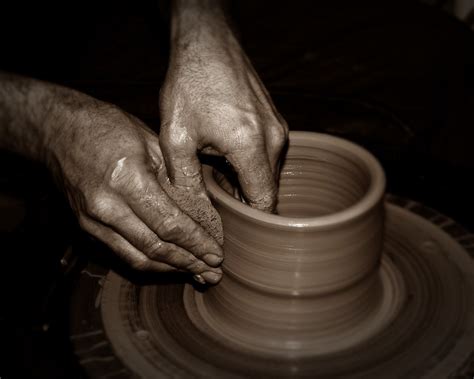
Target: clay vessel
(304, 281)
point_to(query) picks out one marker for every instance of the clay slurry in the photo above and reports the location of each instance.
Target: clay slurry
(197, 206)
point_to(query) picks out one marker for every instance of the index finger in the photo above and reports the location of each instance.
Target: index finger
(161, 214)
(255, 176)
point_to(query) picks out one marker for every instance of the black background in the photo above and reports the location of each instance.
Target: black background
(394, 76)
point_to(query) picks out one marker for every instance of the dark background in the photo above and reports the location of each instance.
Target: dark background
(394, 76)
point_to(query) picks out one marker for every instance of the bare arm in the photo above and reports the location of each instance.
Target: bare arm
(111, 168)
(24, 105)
(214, 102)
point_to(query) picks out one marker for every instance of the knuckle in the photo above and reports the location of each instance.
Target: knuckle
(280, 132)
(163, 252)
(126, 176)
(280, 138)
(140, 264)
(176, 136)
(195, 265)
(155, 249)
(136, 186)
(283, 124)
(170, 229)
(277, 137)
(99, 206)
(119, 171)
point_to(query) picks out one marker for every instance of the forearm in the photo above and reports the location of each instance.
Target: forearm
(36, 117)
(201, 28)
(24, 107)
(213, 102)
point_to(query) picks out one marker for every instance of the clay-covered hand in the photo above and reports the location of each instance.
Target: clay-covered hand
(213, 102)
(113, 172)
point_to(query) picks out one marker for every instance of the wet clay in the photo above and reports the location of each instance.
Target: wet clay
(307, 281)
(338, 284)
(431, 336)
(198, 207)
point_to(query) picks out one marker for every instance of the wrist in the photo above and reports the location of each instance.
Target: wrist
(200, 28)
(24, 105)
(70, 115)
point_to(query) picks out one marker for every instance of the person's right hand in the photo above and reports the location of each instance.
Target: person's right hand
(112, 169)
(213, 102)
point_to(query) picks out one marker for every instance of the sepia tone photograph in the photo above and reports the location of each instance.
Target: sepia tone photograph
(237, 189)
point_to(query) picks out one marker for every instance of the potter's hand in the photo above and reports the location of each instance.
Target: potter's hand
(213, 101)
(111, 167)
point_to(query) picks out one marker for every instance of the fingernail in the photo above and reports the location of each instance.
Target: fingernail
(211, 277)
(212, 259)
(198, 278)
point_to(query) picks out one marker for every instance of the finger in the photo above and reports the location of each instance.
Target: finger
(126, 251)
(148, 253)
(255, 175)
(276, 139)
(160, 214)
(180, 154)
(209, 150)
(139, 235)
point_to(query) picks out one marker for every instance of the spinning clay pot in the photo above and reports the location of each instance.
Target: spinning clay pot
(305, 280)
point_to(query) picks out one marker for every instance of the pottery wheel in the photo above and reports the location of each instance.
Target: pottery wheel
(425, 329)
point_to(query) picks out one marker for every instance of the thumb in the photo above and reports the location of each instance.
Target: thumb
(182, 163)
(187, 188)
(255, 177)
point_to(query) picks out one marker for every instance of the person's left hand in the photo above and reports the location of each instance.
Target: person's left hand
(111, 168)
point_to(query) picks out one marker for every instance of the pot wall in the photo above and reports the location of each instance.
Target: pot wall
(301, 281)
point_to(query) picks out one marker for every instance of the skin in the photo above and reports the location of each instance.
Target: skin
(108, 164)
(214, 102)
(114, 170)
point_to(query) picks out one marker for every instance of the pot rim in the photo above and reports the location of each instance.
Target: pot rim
(371, 197)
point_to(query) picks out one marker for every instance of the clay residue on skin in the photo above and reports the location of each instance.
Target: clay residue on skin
(191, 200)
(197, 206)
